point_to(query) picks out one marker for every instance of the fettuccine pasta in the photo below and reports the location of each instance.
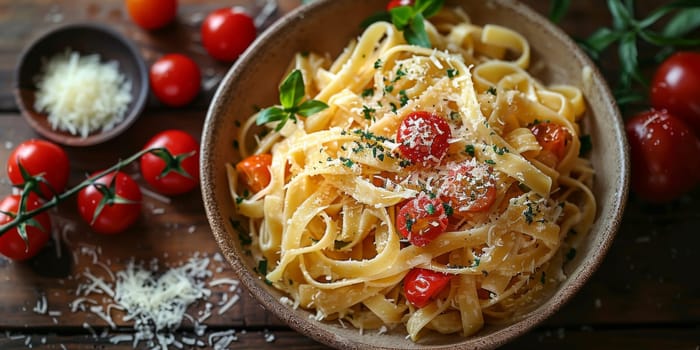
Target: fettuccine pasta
(441, 189)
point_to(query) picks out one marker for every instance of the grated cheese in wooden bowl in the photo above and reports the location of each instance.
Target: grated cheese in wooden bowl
(82, 95)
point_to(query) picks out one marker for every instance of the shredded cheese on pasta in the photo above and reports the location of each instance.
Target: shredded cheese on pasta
(326, 223)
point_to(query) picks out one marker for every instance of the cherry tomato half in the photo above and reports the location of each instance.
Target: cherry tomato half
(665, 156)
(469, 188)
(554, 139)
(254, 171)
(183, 175)
(227, 32)
(423, 138)
(421, 220)
(43, 158)
(397, 3)
(38, 229)
(175, 79)
(676, 87)
(420, 286)
(109, 207)
(151, 14)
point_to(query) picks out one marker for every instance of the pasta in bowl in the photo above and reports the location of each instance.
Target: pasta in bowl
(435, 194)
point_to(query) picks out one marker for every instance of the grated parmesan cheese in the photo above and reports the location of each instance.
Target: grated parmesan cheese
(82, 95)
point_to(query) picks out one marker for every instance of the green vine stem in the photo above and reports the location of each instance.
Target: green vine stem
(23, 216)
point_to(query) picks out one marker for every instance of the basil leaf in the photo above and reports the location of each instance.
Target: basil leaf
(292, 89)
(666, 9)
(558, 9)
(415, 34)
(628, 53)
(621, 15)
(683, 23)
(661, 40)
(602, 38)
(428, 7)
(283, 121)
(271, 114)
(383, 16)
(310, 107)
(401, 16)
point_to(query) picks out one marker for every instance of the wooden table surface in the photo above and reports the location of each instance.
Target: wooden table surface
(646, 295)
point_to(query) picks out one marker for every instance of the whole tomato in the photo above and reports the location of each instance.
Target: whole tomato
(111, 204)
(227, 32)
(40, 158)
(151, 14)
(38, 228)
(665, 156)
(676, 87)
(175, 79)
(180, 175)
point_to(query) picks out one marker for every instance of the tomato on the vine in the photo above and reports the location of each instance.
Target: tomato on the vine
(665, 156)
(182, 174)
(151, 14)
(40, 158)
(676, 87)
(227, 32)
(175, 79)
(111, 204)
(397, 3)
(420, 286)
(421, 220)
(38, 228)
(423, 137)
(254, 171)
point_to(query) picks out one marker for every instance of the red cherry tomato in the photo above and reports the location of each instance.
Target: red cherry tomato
(469, 188)
(421, 220)
(554, 139)
(255, 171)
(183, 175)
(665, 156)
(151, 14)
(227, 32)
(175, 79)
(38, 229)
(676, 87)
(117, 214)
(397, 3)
(43, 158)
(423, 137)
(422, 285)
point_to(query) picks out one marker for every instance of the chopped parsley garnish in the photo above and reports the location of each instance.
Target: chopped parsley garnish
(262, 269)
(399, 73)
(378, 64)
(500, 151)
(243, 236)
(347, 162)
(448, 209)
(451, 73)
(291, 92)
(469, 149)
(409, 223)
(404, 163)
(477, 261)
(454, 115)
(368, 92)
(490, 161)
(389, 88)
(393, 107)
(368, 112)
(529, 214)
(492, 90)
(430, 208)
(403, 97)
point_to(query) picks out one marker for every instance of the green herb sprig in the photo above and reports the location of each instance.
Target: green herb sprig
(291, 92)
(627, 32)
(409, 19)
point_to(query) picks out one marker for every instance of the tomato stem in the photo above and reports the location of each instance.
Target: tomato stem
(23, 215)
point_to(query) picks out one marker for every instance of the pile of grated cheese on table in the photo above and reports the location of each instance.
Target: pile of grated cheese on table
(81, 94)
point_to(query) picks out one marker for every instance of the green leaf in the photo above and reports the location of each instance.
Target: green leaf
(666, 9)
(272, 114)
(415, 34)
(683, 23)
(661, 40)
(628, 53)
(289, 115)
(383, 16)
(428, 7)
(622, 17)
(602, 38)
(310, 107)
(22, 231)
(292, 89)
(402, 16)
(558, 9)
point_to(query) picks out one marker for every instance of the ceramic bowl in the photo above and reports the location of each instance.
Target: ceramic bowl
(254, 79)
(85, 38)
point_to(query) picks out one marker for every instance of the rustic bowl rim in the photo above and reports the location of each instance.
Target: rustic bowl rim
(140, 97)
(610, 222)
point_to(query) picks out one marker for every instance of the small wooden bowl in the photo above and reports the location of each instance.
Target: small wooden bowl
(85, 38)
(254, 79)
